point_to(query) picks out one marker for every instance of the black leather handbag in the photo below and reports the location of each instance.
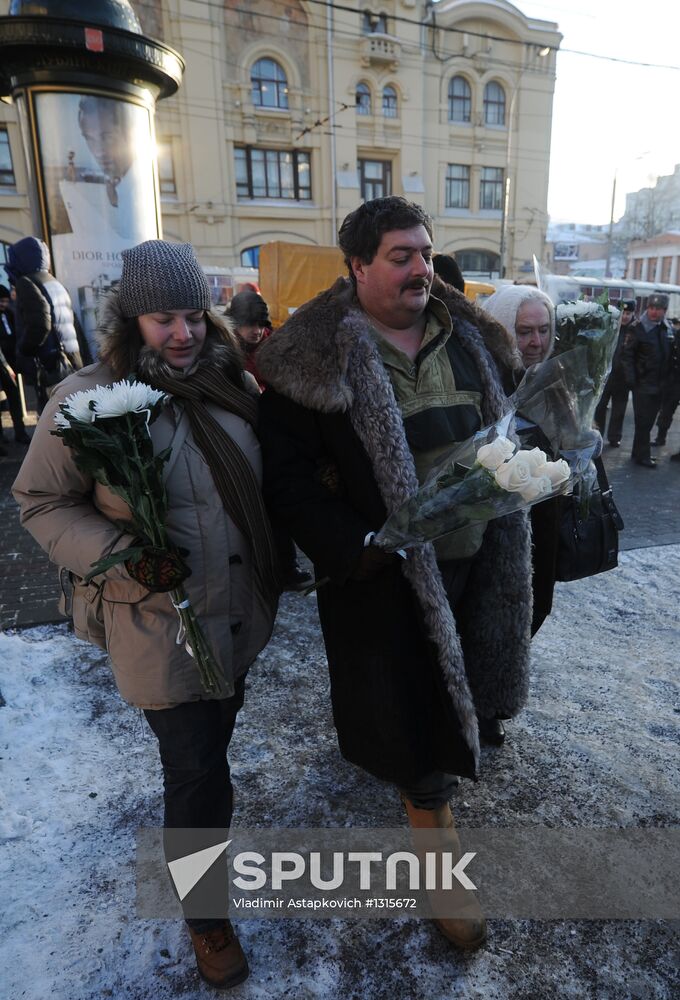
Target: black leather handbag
(589, 545)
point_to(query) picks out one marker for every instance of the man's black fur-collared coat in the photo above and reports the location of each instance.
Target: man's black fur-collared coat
(406, 677)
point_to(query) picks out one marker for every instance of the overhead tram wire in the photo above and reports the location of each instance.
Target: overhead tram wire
(449, 29)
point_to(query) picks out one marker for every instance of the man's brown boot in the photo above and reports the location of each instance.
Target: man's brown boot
(469, 931)
(219, 956)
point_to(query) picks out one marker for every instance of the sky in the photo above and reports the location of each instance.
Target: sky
(611, 118)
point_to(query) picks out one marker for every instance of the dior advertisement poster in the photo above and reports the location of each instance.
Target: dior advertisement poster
(97, 157)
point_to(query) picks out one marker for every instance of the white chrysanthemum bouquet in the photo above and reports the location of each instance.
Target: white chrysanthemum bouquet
(107, 428)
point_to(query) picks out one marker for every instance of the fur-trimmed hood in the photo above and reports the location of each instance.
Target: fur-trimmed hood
(325, 359)
(122, 349)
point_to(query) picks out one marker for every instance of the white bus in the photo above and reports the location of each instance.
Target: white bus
(568, 287)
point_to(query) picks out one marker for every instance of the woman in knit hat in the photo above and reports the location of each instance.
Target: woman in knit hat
(157, 325)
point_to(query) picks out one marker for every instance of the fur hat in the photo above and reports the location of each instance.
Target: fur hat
(159, 276)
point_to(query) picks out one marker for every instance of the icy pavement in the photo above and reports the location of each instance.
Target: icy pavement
(596, 746)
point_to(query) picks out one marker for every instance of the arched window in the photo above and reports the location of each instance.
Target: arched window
(363, 99)
(460, 100)
(389, 102)
(270, 86)
(250, 257)
(494, 104)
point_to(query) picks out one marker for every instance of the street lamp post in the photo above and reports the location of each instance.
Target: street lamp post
(607, 268)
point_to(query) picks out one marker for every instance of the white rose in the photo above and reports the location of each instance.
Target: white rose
(494, 454)
(536, 458)
(537, 487)
(515, 474)
(557, 472)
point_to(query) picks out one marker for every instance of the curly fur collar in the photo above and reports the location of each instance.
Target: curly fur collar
(308, 358)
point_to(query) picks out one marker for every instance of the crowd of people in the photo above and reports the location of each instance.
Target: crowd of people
(311, 437)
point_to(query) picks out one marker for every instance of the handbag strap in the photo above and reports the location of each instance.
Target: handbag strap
(602, 480)
(606, 493)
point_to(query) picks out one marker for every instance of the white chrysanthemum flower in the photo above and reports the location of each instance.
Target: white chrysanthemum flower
(494, 454)
(78, 404)
(61, 421)
(126, 397)
(577, 310)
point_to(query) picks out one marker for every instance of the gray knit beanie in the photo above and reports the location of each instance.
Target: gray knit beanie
(159, 276)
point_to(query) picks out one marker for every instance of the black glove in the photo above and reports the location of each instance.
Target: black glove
(159, 570)
(372, 561)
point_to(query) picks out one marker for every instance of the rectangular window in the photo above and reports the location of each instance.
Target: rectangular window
(491, 188)
(7, 178)
(166, 168)
(273, 173)
(637, 269)
(457, 186)
(375, 179)
(666, 264)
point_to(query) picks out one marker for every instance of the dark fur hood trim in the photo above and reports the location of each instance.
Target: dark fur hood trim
(121, 347)
(325, 359)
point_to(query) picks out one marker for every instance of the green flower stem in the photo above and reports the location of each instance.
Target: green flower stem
(156, 528)
(208, 668)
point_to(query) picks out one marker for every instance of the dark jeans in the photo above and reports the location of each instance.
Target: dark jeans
(645, 406)
(193, 739)
(616, 391)
(9, 387)
(437, 787)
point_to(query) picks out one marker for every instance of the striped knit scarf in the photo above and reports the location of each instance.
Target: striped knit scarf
(232, 473)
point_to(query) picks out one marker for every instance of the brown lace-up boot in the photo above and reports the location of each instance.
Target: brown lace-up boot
(468, 931)
(219, 956)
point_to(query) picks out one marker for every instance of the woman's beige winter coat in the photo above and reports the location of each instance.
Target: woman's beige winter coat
(73, 518)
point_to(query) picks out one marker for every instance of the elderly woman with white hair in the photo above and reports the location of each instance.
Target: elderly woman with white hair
(529, 315)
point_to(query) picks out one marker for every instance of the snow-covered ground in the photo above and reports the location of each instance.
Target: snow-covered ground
(596, 746)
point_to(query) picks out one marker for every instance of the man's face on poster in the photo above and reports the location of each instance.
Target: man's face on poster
(103, 127)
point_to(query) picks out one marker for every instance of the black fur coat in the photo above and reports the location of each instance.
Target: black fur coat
(406, 678)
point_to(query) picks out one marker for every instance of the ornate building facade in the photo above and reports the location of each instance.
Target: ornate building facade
(292, 111)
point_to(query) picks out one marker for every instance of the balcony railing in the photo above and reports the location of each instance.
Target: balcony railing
(377, 48)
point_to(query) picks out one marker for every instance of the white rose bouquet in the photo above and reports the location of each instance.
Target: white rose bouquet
(485, 477)
(573, 380)
(107, 429)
